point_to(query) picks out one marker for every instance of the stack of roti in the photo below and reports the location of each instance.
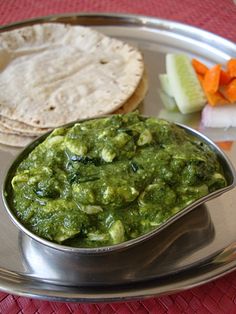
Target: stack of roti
(52, 74)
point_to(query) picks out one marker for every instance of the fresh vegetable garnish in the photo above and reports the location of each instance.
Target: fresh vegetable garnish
(211, 79)
(165, 84)
(199, 67)
(231, 67)
(218, 84)
(213, 98)
(216, 99)
(190, 85)
(219, 116)
(225, 78)
(168, 101)
(230, 91)
(183, 83)
(225, 145)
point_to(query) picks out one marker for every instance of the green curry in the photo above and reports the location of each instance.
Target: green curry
(108, 180)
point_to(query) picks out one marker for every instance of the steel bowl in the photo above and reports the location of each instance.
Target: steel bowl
(228, 169)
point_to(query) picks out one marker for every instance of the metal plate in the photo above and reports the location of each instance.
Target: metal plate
(195, 249)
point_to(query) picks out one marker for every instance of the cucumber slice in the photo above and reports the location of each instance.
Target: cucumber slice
(168, 102)
(165, 84)
(176, 116)
(184, 83)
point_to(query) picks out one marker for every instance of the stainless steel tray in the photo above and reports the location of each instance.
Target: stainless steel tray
(195, 249)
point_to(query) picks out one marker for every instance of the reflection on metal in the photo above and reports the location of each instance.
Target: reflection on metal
(165, 254)
(227, 255)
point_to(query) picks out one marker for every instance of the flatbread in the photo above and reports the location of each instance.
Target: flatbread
(17, 127)
(54, 73)
(6, 130)
(8, 126)
(135, 100)
(15, 140)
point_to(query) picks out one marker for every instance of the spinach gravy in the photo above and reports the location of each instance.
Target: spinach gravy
(104, 181)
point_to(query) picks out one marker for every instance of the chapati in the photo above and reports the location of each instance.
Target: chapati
(17, 127)
(52, 74)
(136, 99)
(15, 140)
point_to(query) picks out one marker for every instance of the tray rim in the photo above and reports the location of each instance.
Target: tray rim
(129, 19)
(14, 283)
(51, 293)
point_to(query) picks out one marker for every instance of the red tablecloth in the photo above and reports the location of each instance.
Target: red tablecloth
(217, 16)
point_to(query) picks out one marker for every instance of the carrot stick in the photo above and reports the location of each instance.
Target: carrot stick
(200, 78)
(199, 67)
(226, 145)
(213, 98)
(225, 78)
(216, 98)
(230, 91)
(231, 67)
(212, 79)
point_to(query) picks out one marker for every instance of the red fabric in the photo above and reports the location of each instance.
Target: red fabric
(217, 16)
(217, 297)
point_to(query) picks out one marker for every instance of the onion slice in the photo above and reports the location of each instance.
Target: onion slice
(219, 116)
